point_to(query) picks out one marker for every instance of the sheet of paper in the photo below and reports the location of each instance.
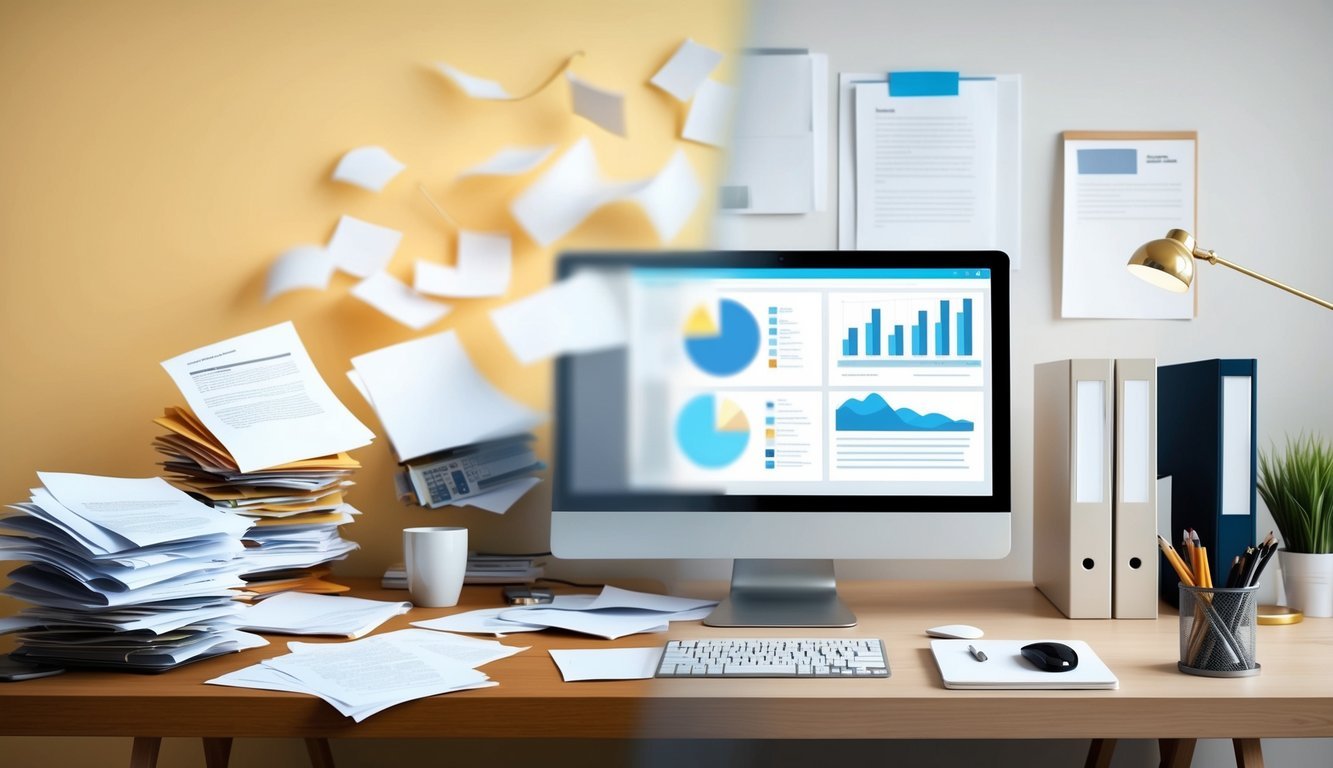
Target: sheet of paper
(501, 499)
(303, 266)
(483, 268)
(510, 161)
(476, 87)
(603, 107)
(484, 621)
(360, 248)
(296, 613)
(368, 167)
(670, 197)
(470, 651)
(615, 597)
(1120, 194)
(686, 70)
(260, 395)
(396, 299)
(144, 510)
(430, 397)
(710, 114)
(607, 663)
(777, 157)
(582, 313)
(610, 623)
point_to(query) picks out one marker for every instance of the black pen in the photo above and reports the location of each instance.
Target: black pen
(978, 655)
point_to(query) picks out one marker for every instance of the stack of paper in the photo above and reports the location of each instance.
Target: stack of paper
(125, 573)
(367, 676)
(294, 508)
(612, 614)
(298, 614)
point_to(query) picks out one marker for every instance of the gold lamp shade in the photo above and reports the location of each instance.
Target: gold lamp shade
(1166, 263)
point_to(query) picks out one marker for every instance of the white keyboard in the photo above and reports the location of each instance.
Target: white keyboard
(775, 657)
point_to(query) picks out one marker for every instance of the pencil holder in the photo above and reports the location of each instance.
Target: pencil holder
(1217, 631)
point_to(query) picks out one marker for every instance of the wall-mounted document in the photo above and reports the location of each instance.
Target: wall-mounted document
(929, 161)
(1123, 189)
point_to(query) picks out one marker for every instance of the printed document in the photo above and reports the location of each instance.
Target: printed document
(260, 394)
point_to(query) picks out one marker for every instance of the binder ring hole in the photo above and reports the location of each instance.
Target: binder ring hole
(1135, 563)
(1087, 563)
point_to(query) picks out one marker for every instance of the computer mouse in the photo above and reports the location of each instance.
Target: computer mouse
(1050, 657)
(956, 632)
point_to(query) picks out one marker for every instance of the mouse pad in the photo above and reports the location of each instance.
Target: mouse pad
(1005, 668)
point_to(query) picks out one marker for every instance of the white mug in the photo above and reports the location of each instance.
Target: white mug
(436, 559)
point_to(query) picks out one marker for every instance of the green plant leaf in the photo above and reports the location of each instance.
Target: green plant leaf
(1297, 486)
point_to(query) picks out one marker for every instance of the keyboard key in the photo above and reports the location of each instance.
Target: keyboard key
(768, 657)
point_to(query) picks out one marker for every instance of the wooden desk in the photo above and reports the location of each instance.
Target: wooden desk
(1292, 697)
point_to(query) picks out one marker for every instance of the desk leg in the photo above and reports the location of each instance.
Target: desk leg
(1100, 752)
(320, 754)
(217, 752)
(1176, 753)
(1249, 753)
(144, 752)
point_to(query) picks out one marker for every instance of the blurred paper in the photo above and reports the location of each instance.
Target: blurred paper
(429, 397)
(396, 299)
(304, 266)
(671, 196)
(603, 107)
(501, 499)
(360, 248)
(368, 167)
(607, 663)
(710, 114)
(687, 69)
(261, 396)
(582, 313)
(510, 161)
(483, 269)
(476, 87)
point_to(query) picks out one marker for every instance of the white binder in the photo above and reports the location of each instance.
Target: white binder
(1134, 500)
(1071, 492)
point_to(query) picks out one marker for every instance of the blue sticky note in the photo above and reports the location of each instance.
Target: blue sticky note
(923, 83)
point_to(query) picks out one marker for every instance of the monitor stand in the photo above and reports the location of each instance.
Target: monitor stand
(782, 593)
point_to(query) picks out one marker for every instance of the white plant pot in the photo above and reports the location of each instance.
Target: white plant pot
(1308, 582)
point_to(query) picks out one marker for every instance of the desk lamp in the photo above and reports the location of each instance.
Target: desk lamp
(1169, 263)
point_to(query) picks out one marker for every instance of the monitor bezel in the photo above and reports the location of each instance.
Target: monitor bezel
(998, 501)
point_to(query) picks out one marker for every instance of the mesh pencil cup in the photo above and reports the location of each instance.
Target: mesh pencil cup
(1218, 631)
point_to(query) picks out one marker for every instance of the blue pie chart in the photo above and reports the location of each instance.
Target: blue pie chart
(712, 432)
(722, 340)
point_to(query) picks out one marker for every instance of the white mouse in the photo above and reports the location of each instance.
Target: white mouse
(956, 632)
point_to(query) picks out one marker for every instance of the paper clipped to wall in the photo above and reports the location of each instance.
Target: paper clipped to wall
(261, 396)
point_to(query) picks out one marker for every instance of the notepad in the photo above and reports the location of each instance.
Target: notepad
(1005, 668)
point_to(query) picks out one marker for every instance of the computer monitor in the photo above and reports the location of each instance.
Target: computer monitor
(784, 409)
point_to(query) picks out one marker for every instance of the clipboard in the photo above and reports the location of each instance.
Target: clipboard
(1095, 283)
(1008, 234)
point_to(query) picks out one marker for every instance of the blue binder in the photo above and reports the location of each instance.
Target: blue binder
(1206, 442)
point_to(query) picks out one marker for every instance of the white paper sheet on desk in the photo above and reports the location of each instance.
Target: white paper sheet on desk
(510, 161)
(604, 107)
(302, 266)
(686, 70)
(607, 663)
(582, 313)
(145, 510)
(710, 114)
(360, 248)
(260, 395)
(615, 597)
(484, 621)
(368, 167)
(610, 623)
(296, 613)
(501, 499)
(430, 397)
(397, 300)
(470, 651)
(482, 268)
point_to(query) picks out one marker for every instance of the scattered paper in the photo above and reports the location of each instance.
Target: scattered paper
(501, 499)
(485, 621)
(483, 268)
(304, 266)
(670, 198)
(476, 87)
(396, 299)
(360, 248)
(510, 161)
(296, 613)
(430, 397)
(583, 313)
(261, 396)
(710, 114)
(603, 107)
(368, 167)
(686, 70)
(607, 663)
(611, 623)
(472, 651)
(615, 597)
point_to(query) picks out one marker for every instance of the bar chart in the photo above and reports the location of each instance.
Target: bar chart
(909, 331)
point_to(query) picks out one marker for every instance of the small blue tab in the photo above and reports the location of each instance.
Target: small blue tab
(923, 83)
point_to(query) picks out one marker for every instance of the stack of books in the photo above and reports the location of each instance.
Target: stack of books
(122, 573)
(481, 569)
(295, 509)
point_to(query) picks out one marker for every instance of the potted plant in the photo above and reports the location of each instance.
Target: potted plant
(1297, 486)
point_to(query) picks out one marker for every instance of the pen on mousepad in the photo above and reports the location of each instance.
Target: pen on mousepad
(978, 655)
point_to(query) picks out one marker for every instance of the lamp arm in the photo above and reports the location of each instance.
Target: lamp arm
(1213, 258)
